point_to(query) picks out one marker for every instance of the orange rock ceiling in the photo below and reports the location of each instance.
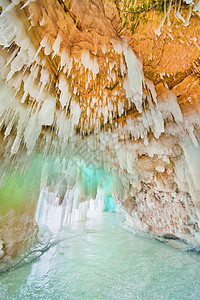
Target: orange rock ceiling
(171, 58)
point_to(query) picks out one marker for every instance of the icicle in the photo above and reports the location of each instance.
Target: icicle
(43, 21)
(17, 64)
(34, 70)
(9, 127)
(133, 82)
(43, 44)
(11, 6)
(65, 95)
(89, 63)
(56, 45)
(120, 108)
(24, 97)
(32, 133)
(27, 3)
(7, 31)
(47, 49)
(178, 14)
(44, 78)
(12, 56)
(75, 112)
(117, 45)
(46, 113)
(17, 142)
(190, 128)
(189, 15)
(65, 60)
(38, 51)
(158, 29)
(151, 86)
(168, 12)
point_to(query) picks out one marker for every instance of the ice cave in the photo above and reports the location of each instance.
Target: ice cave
(99, 149)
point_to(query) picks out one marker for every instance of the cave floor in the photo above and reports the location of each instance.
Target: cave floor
(98, 259)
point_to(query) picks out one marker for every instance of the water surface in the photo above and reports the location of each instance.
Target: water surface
(100, 260)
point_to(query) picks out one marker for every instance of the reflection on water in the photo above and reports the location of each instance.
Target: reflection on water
(99, 260)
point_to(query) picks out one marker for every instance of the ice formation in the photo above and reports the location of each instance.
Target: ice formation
(75, 100)
(56, 216)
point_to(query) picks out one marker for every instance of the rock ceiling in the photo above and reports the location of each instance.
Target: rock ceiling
(68, 51)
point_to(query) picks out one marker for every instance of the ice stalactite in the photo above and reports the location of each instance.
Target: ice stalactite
(29, 78)
(193, 7)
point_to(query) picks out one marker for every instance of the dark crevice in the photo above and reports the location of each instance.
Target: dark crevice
(74, 18)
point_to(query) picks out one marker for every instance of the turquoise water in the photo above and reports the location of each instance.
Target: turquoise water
(100, 260)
